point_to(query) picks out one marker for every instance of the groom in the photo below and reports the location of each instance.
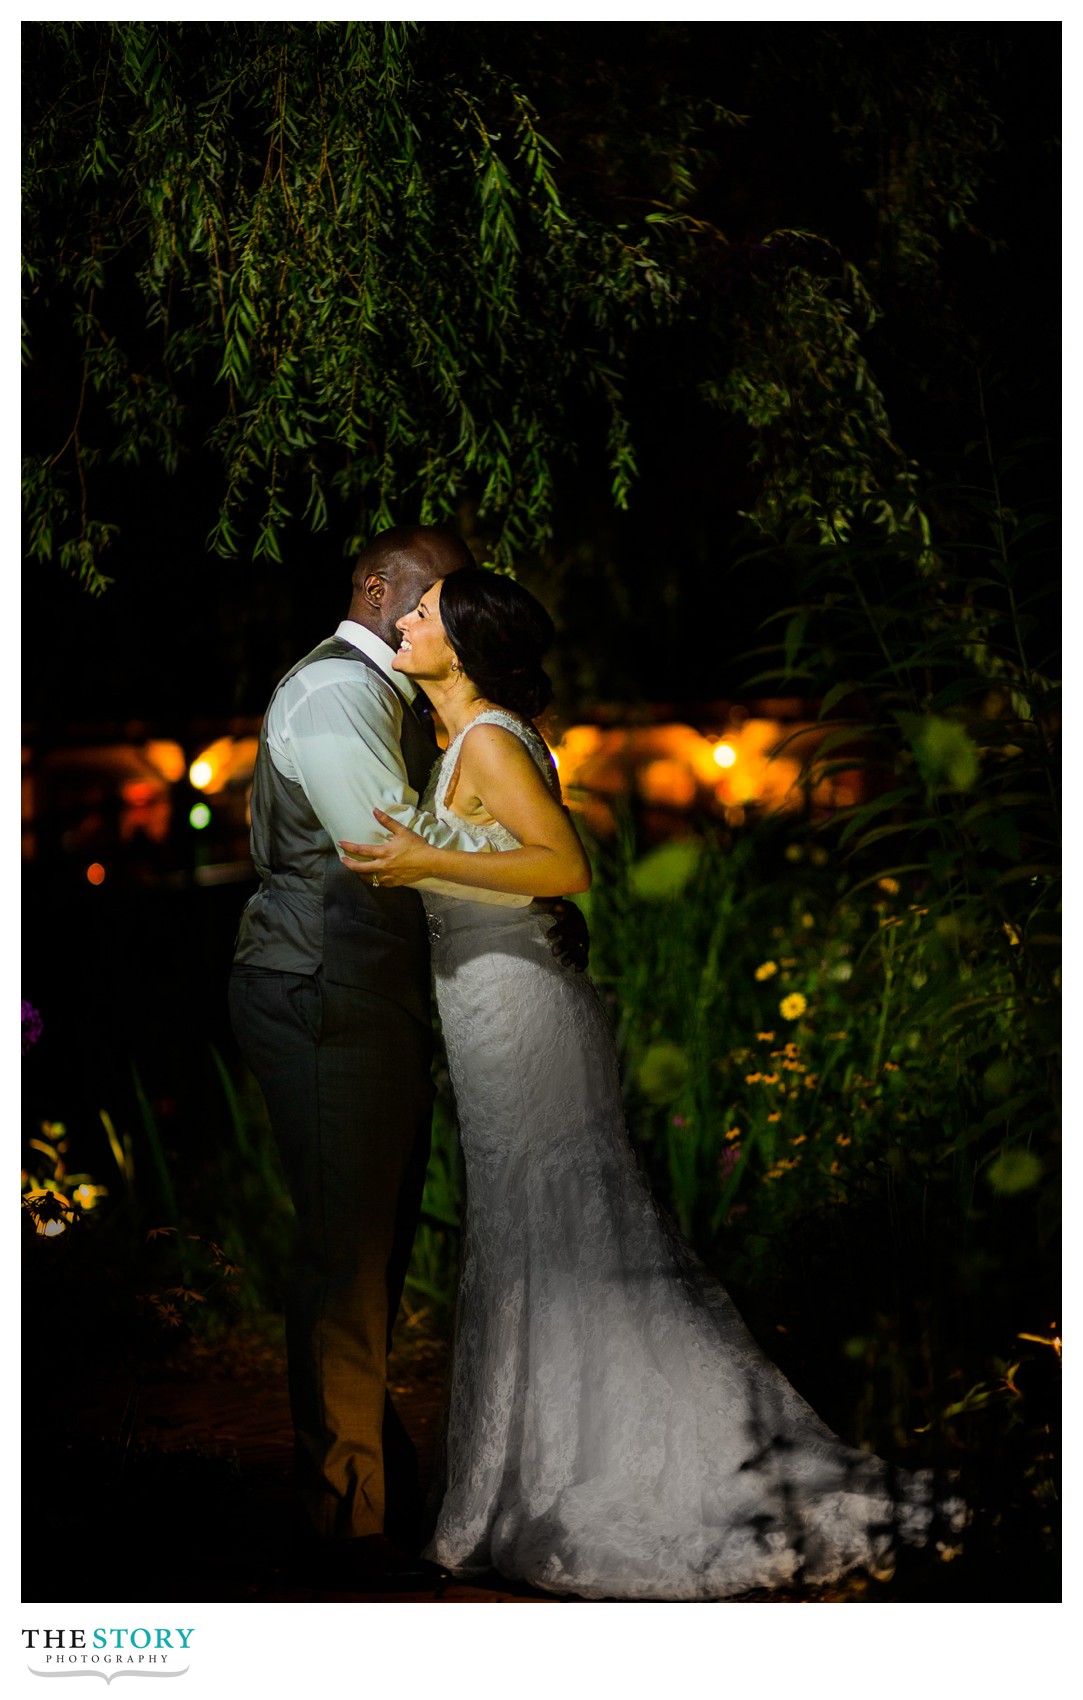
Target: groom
(329, 999)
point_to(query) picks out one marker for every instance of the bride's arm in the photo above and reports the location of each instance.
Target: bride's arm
(498, 769)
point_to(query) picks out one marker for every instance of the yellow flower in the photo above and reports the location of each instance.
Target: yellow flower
(777, 1170)
(800, 1140)
(751, 1079)
(808, 920)
(889, 885)
(782, 1167)
(87, 1195)
(733, 1133)
(766, 1037)
(793, 1006)
(1013, 936)
(843, 1139)
(766, 969)
(770, 1079)
(776, 1117)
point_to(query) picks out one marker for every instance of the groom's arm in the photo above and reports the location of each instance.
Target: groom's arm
(338, 732)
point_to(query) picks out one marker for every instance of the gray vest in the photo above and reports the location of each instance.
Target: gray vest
(310, 911)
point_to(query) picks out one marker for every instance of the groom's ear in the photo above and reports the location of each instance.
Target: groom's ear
(373, 587)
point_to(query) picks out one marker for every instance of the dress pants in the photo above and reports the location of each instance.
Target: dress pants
(346, 1075)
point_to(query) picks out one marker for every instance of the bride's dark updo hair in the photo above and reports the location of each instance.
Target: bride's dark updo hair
(499, 633)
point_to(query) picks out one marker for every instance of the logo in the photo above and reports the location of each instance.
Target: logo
(108, 1653)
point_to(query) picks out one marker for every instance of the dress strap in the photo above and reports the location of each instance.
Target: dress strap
(522, 729)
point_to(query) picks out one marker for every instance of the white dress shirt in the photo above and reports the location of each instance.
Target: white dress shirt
(335, 729)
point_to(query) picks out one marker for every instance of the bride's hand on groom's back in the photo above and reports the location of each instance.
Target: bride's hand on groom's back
(569, 935)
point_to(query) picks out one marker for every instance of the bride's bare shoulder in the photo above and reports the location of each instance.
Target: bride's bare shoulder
(490, 742)
(508, 746)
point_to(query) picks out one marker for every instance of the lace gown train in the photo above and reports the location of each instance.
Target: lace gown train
(614, 1431)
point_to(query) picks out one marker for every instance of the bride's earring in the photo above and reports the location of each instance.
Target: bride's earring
(456, 667)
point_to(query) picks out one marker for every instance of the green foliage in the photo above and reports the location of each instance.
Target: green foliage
(1015, 1170)
(434, 1262)
(897, 1109)
(923, 663)
(192, 1248)
(346, 274)
(339, 256)
(913, 111)
(821, 442)
(662, 1072)
(864, 1144)
(665, 871)
(946, 754)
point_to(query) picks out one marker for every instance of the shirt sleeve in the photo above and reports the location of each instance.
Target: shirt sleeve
(339, 736)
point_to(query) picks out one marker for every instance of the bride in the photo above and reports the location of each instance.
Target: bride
(614, 1431)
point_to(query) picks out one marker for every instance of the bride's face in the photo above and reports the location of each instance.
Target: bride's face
(424, 652)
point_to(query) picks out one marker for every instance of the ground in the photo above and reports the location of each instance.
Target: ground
(178, 1486)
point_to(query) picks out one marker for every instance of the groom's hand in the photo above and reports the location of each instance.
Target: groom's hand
(569, 935)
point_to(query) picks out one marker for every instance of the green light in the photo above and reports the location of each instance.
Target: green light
(200, 816)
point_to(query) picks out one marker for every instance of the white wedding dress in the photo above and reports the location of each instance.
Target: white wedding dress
(614, 1431)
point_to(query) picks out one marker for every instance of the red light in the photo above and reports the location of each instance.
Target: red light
(95, 873)
(139, 792)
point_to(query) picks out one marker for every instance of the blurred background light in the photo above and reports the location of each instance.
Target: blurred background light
(166, 757)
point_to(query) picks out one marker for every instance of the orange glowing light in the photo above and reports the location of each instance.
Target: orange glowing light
(724, 754)
(166, 757)
(227, 761)
(95, 873)
(667, 782)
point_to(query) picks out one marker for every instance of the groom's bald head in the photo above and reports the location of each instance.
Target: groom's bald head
(392, 573)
